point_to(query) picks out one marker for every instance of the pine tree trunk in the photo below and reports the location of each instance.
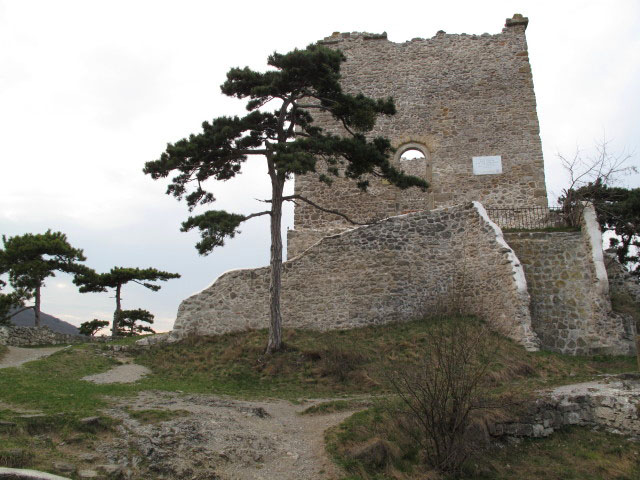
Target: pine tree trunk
(275, 328)
(36, 308)
(116, 314)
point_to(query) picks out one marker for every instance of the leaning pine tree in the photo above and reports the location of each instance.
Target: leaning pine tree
(301, 82)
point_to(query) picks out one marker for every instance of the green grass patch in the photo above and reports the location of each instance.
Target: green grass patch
(54, 385)
(155, 415)
(16, 458)
(347, 444)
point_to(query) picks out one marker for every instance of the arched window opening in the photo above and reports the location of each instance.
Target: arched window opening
(411, 154)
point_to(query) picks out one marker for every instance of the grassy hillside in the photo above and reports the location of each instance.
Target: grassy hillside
(338, 364)
(347, 362)
(328, 364)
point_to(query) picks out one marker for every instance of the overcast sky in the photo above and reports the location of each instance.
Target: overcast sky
(91, 90)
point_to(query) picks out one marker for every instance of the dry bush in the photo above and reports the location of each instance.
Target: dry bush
(441, 394)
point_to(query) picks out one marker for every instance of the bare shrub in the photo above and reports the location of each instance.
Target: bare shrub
(442, 392)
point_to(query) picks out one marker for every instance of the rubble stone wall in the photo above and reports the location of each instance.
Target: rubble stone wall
(570, 305)
(402, 268)
(457, 97)
(32, 336)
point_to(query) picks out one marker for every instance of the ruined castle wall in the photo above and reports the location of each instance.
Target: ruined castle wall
(458, 97)
(570, 306)
(402, 268)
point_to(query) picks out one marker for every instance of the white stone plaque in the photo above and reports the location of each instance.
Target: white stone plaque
(490, 165)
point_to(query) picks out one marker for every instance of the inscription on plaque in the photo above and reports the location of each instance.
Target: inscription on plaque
(490, 165)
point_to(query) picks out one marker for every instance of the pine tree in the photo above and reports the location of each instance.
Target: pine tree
(30, 259)
(90, 281)
(128, 322)
(91, 328)
(301, 82)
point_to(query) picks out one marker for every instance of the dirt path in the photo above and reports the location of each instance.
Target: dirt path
(128, 373)
(226, 439)
(16, 356)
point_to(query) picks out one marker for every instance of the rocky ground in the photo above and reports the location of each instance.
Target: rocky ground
(216, 438)
(196, 436)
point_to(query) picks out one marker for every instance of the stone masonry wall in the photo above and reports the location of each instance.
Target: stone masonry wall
(570, 306)
(399, 269)
(32, 336)
(457, 96)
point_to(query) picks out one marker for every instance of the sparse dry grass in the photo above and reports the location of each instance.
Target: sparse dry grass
(349, 362)
(333, 406)
(576, 453)
(39, 441)
(573, 453)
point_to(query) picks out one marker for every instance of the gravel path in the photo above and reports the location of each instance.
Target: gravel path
(127, 373)
(16, 356)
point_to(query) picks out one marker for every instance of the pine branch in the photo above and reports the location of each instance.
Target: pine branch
(293, 198)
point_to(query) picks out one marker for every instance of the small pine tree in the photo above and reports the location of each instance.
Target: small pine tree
(30, 259)
(90, 281)
(128, 325)
(91, 328)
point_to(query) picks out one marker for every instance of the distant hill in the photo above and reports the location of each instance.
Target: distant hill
(28, 319)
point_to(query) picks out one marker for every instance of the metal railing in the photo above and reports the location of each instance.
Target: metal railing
(535, 218)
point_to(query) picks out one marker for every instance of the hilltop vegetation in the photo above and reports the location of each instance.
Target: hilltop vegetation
(352, 368)
(313, 365)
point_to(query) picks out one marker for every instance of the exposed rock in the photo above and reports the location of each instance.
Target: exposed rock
(87, 474)
(156, 339)
(610, 403)
(223, 438)
(90, 421)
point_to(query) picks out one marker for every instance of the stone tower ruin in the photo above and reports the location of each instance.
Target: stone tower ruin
(466, 108)
(464, 102)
